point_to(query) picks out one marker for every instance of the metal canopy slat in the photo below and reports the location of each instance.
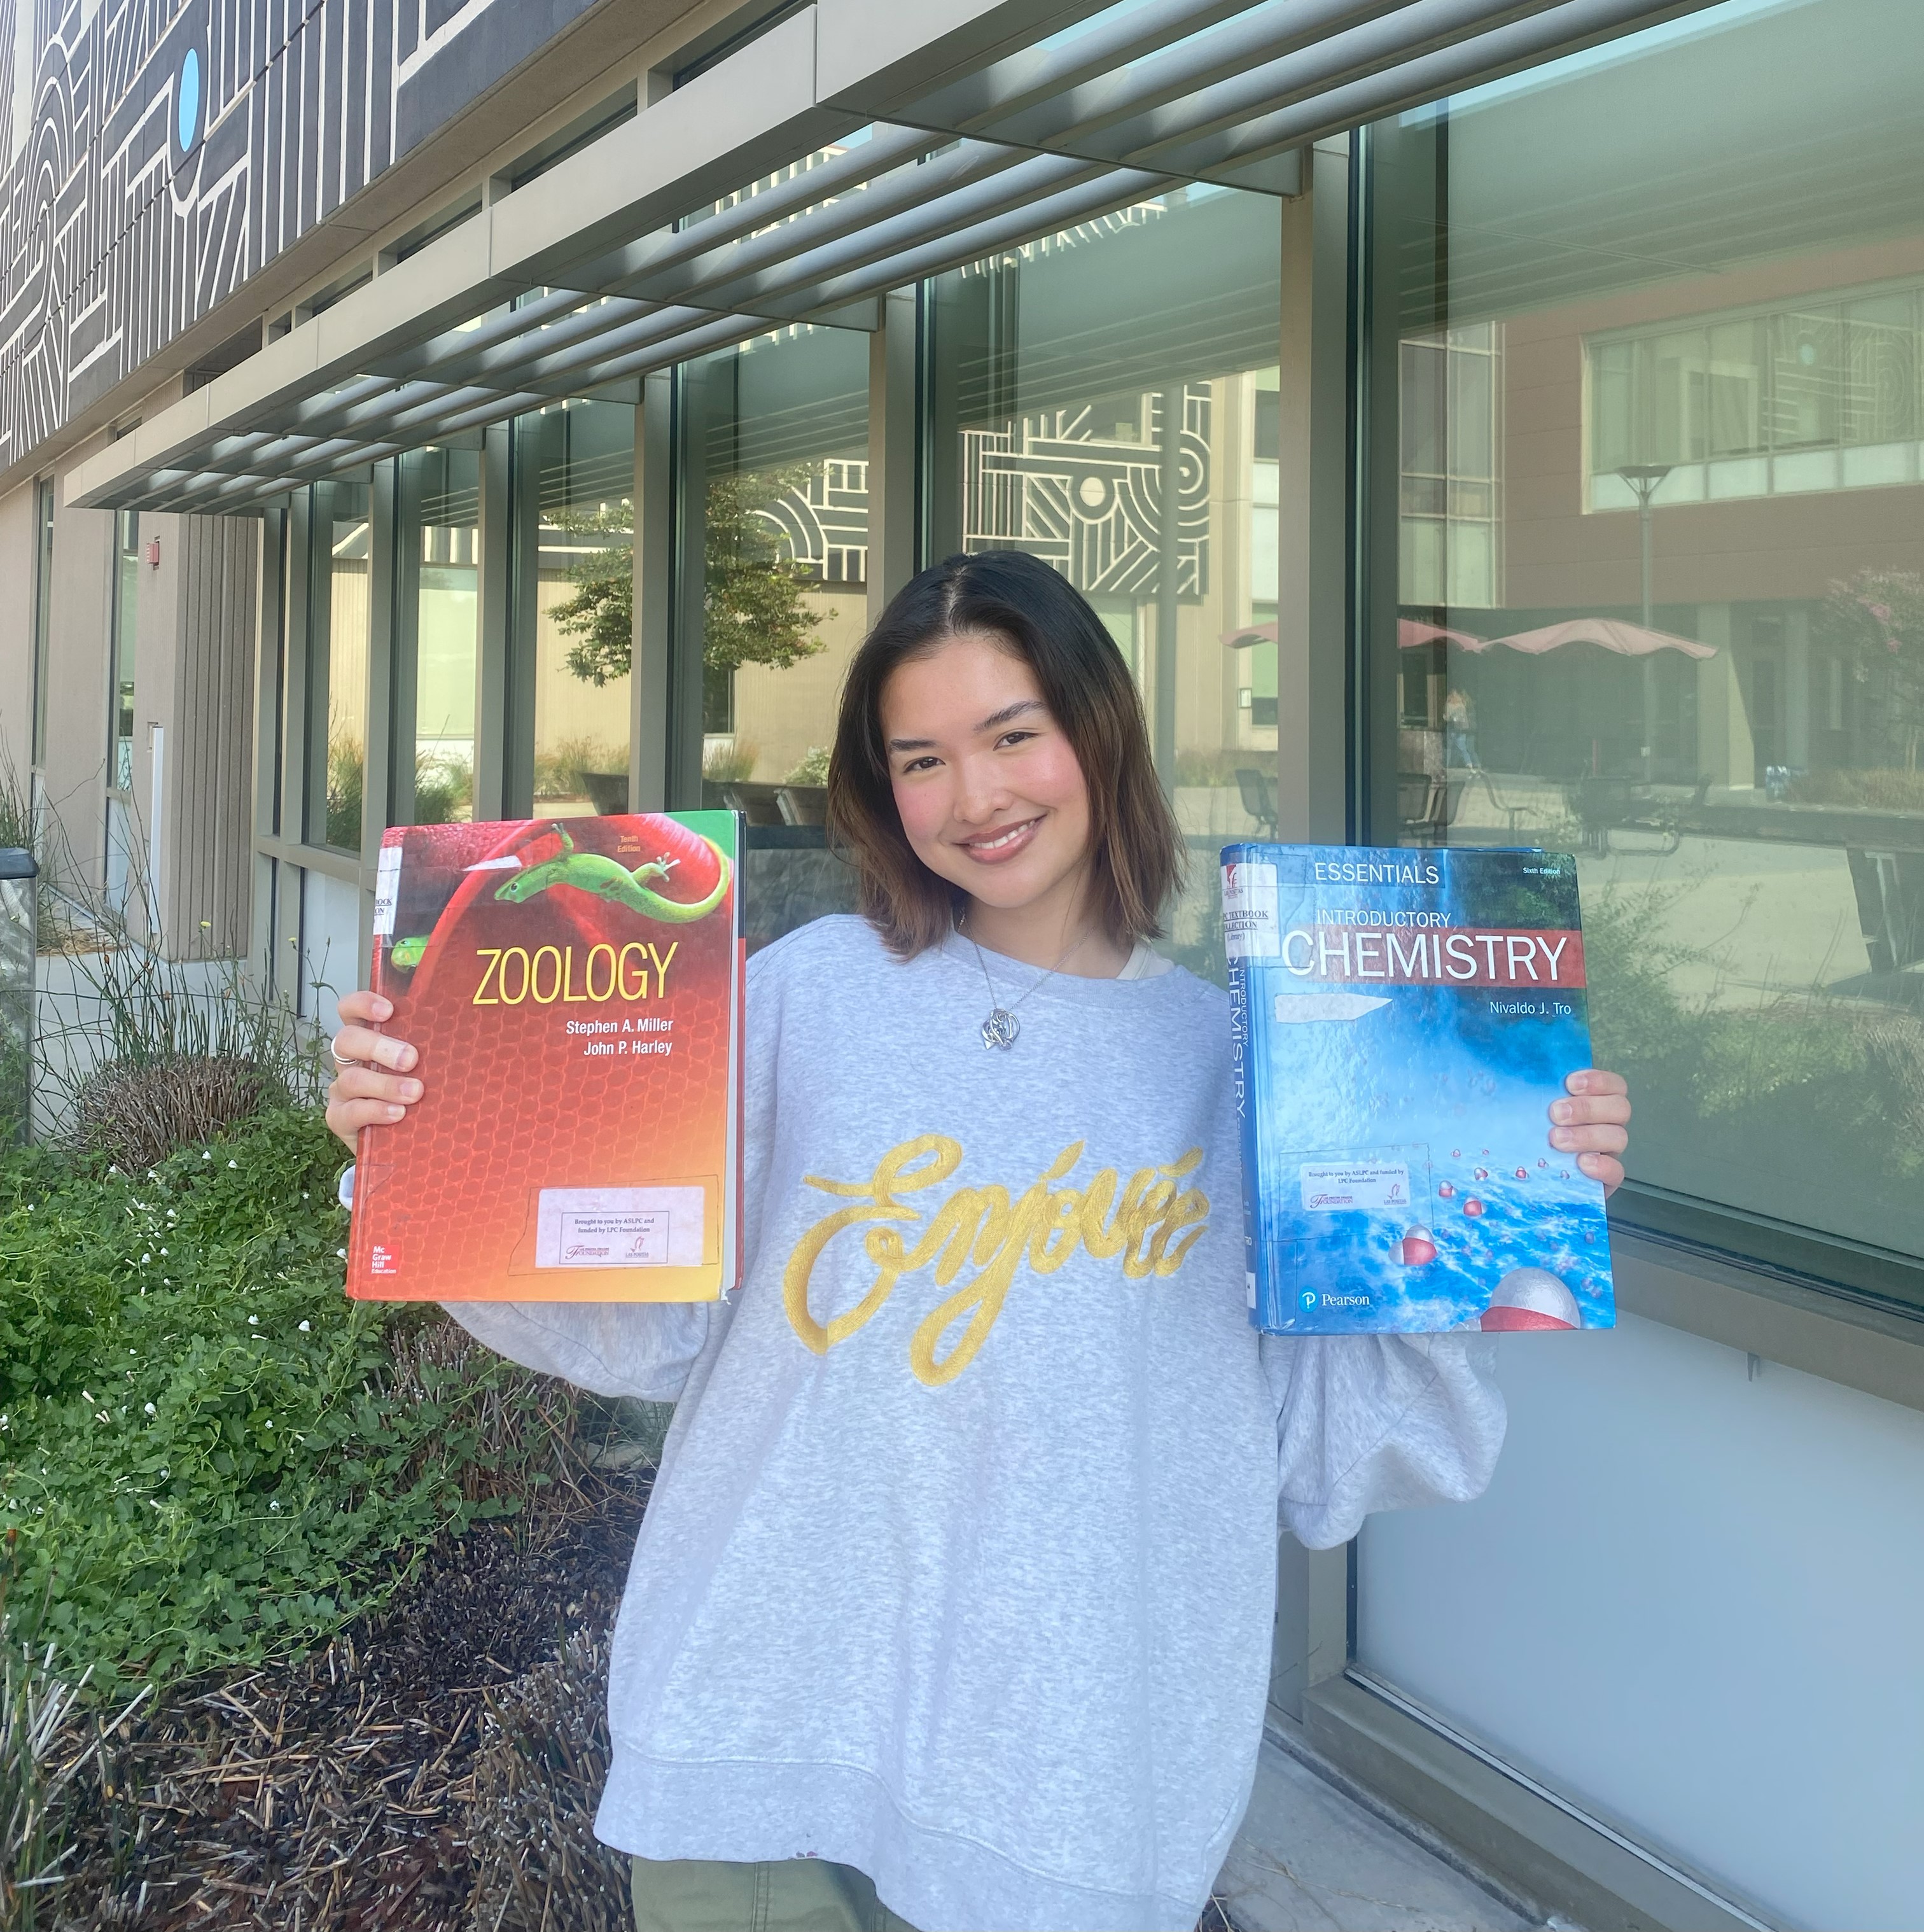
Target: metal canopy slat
(1032, 178)
(613, 270)
(858, 210)
(1034, 141)
(1241, 48)
(1004, 89)
(1408, 84)
(1114, 188)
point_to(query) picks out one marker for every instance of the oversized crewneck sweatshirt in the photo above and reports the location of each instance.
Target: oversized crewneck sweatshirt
(960, 1567)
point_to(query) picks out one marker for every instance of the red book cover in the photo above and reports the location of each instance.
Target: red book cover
(573, 988)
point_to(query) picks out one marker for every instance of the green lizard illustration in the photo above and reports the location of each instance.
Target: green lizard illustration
(607, 879)
(406, 952)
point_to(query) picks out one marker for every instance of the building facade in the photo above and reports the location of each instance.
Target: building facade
(1476, 424)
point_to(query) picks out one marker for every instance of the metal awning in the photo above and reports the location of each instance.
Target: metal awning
(816, 168)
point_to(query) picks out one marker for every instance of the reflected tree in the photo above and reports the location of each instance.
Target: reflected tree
(753, 609)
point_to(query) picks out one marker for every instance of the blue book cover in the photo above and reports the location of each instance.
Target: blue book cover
(1403, 1020)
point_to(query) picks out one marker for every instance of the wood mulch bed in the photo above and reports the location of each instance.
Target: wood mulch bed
(441, 1759)
(434, 1769)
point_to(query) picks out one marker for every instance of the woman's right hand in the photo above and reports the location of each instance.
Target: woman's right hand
(378, 1091)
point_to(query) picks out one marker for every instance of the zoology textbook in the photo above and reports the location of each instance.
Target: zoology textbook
(574, 986)
(1403, 1021)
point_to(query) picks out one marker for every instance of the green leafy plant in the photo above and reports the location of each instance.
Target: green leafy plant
(347, 766)
(45, 1746)
(559, 766)
(1876, 618)
(600, 616)
(207, 1454)
(18, 828)
(731, 760)
(812, 769)
(1800, 1088)
(444, 787)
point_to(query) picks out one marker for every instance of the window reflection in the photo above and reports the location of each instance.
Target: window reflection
(574, 472)
(338, 657)
(1660, 577)
(1818, 395)
(445, 545)
(774, 490)
(1107, 399)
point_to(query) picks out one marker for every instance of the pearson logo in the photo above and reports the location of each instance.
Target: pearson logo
(1309, 1297)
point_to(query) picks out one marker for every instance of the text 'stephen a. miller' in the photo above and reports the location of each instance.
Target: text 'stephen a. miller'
(1403, 1021)
(574, 987)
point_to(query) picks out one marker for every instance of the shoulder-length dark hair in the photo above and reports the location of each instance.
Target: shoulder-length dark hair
(1136, 849)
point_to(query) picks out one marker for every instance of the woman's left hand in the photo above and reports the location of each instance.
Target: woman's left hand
(1592, 1124)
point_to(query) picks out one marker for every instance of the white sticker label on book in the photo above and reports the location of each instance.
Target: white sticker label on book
(619, 1227)
(1249, 916)
(1331, 1187)
(387, 890)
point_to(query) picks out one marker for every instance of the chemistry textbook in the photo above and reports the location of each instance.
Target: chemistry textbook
(574, 985)
(1403, 1020)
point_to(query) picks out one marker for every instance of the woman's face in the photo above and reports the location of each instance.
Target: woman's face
(989, 793)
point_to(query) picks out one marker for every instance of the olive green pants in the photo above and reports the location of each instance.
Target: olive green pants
(794, 1895)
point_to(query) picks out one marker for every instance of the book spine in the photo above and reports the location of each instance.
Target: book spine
(1243, 1073)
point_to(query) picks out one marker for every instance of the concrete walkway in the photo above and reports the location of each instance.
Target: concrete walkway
(1310, 1858)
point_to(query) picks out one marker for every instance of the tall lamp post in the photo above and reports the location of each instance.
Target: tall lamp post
(1646, 478)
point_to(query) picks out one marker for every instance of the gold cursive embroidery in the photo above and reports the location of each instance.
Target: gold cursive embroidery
(1152, 1228)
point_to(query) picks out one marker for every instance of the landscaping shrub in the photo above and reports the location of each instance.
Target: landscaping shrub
(135, 1116)
(211, 1455)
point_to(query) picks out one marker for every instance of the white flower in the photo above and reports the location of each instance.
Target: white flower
(274, 1506)
(253, 1320)
(304, 1327)
(206, 1154)
(150, 1409)
(163, 1251)
(270, 1422)
(342, 1252)
(233, 1163)
(145, 1258)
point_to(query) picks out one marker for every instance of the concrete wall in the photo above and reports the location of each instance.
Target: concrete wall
(1688, 1602)
(16, 630)
(76, 708)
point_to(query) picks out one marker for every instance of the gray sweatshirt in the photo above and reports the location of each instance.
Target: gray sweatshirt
(960, 1565)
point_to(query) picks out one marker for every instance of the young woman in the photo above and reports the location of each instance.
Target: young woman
(954, 1599)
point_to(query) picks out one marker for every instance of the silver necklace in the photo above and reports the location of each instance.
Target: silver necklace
(1002, 1026)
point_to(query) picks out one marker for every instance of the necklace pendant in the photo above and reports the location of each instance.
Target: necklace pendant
(1000, 1029)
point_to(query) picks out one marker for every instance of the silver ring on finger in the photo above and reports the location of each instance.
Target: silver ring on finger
(340, 1058)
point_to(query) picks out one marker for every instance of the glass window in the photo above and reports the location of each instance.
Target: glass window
(1656, 591)
(440, 496)
(574, 486)
(1107, 399)
(43, 610)
(125, 624)
(774, 486)
(337, 642)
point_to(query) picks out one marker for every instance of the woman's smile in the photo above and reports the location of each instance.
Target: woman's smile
(1002, 842)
